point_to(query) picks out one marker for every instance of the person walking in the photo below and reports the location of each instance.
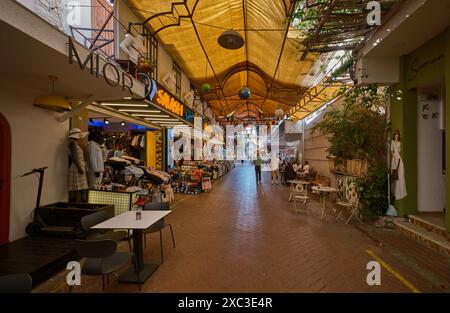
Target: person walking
(258, 163)
(275, 168)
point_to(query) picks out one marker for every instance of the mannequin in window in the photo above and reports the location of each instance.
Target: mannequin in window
(398, 176)
(77, 168)
(96, 164)
(133, 47)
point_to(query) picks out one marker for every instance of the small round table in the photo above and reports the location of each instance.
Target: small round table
(294, 182)
(322, 191)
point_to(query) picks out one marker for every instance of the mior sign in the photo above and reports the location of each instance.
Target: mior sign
(112, 75)
(168, 102)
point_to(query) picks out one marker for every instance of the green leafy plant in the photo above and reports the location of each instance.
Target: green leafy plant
(358, 131)
(372, 192)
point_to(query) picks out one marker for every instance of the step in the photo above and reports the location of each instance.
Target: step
(429, 226)
(429, 238)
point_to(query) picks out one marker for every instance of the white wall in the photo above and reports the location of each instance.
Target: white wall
(85, 18)
(58, 16)
(381, 70)
(185, 87)
(430, 179)
(125, 16)
(37, 140)
(165, 63)
(28, 3)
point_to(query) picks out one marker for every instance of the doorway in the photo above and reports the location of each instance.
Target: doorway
(431, 149)
(5, 178)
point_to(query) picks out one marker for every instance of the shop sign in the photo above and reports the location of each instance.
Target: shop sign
(113, 75)
(418, 65)
(164, 99)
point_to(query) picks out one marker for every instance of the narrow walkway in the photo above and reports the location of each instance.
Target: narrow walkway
(244, 238)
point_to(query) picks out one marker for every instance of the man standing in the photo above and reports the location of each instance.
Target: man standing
(258, 163)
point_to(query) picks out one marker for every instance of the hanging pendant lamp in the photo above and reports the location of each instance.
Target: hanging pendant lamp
(52, 102)
(231, 39)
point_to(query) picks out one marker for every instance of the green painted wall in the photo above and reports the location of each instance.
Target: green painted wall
(426, 66)
(447, 127)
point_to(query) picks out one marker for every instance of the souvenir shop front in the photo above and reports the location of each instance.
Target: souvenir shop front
(193, 176)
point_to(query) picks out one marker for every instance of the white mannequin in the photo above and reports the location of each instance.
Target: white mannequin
(133, 47)
(397, 163)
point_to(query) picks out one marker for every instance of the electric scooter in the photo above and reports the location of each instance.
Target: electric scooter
(60, 219)
(35, 226)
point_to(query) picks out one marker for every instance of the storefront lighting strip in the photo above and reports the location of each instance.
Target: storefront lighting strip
(125, 105)
(139, 111)
(161, 119)
(171, 122)
(167, 122)
(151, 115)
(110, 112)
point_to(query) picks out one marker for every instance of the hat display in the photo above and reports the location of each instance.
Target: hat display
(77, 133)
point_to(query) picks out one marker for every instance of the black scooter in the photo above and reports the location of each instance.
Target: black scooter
(35, 226)
(60, 219)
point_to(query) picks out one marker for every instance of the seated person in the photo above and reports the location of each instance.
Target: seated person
(296, 165)
(305, 171)
(289, 173)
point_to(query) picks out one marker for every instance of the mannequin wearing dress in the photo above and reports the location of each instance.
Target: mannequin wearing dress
(399, 185)
(77, 184)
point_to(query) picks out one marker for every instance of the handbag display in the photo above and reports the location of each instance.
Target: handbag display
(395, 171)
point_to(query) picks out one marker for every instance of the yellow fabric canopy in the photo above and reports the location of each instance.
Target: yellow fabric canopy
(268, 63)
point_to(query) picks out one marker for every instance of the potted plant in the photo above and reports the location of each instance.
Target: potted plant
(146, 65)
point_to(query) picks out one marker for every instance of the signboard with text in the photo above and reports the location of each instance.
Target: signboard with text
(160, 96)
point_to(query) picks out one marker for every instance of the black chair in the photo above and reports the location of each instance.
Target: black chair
(159, 225)
(93, 219)
(103, 259)
(16, 283)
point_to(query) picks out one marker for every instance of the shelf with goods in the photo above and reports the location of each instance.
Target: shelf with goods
(159, 150)
(188, 181)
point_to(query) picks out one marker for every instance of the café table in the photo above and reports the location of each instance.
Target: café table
(322, 191)
(128, 220)
(294, 182)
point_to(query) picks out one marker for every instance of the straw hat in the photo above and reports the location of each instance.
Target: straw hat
(77, 133)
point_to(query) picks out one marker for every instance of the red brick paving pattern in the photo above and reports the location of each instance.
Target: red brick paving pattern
(244, 238)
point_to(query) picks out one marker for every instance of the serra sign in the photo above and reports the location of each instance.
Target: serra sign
(168, 102)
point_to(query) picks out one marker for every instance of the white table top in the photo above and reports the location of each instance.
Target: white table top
(128, 220)
(325, 189)
(295, 181)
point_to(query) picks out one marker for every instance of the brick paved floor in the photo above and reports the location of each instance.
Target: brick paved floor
(244, 238)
